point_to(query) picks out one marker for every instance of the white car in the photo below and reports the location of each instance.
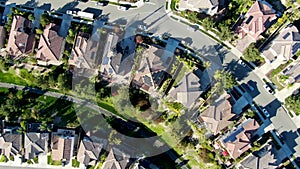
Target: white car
(242, 63)
(99, 4)
(268, 89)
(266, 113)
(122, 8)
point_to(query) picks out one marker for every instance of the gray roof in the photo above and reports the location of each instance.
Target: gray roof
(287, 43)
(35, 144)
(267, 157)
(89, 151)
(188, 90)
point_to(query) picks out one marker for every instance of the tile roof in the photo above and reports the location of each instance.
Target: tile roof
(218, 116)
(35, 144)
(21, 39)
(2, 36)
(10, 144)
(51, 45)
(116, 159)
(238, 141)
(285, 45)
(89, 151)
(62, 145)
(188, 90)
(257, 20)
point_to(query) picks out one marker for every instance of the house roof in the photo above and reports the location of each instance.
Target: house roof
(116, 159)
(218, 116)
(2, 36)
(152, 67)
(267, 157)
(10, 144)
(188, 89)
(89, 151)
(21, 39)
(238, 141)
(62, 145)
(294, 73)
(285, 45)
(51, 45)
(195, 5)
(257, 20)
(35, 144)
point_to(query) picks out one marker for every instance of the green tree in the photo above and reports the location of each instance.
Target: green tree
(31, 17)
(225, 33)
(45, 20)
(208, 24)
(39, 31)
(251, 54)
(293, 103)
(224, 79)
(71, 36)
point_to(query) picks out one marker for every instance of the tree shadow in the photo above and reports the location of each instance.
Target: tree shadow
(31, 3)
(67, 6)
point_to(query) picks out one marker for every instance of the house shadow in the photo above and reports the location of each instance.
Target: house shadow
(253, 93)
(96, 12)
(289, 138)
(214, 53)
(272, 107)
(237, 69)
(67, 6)
(31, 3)
(45, 6)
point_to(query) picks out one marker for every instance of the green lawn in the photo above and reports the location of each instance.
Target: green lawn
(75, 163)
(10, 77)
(52, 162)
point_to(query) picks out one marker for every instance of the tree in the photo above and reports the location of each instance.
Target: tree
(207, 64)
(293, 103)
(45, 20)
(224, 79)
(71, 36)
(39, 31)
(31, 17)
(208, 24)
(102, 30)
(225, 33)
(251, 54)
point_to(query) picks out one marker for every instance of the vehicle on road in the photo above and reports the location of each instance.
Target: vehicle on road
(99, 4)
(266, 113)
(269, 89)
(242, 63)
(122, 8)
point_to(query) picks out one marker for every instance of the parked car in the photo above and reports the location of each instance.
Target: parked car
(242, 63)
(122, 8)
(266, 113)
(99, 4)
(269, 89)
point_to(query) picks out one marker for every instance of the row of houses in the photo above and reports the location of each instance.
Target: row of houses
(62, 145)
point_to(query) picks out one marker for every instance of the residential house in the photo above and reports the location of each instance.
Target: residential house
(51, 46)
(209, 7)
(153, 69)
(35, 144)
(267, 157)
(293, 72)
(116, 159)
(10, 144)
(217, 116)
(85, 52)
(256, 21)
(188, 90)
(283, 47)
(239, 140)
(2, 37)
(89, 151)
(115, 64)
(21, 38)
(62, 144)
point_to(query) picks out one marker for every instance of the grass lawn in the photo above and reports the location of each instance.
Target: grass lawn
(52, 162)
(75, 163)
(11, 77)
(3, 158)
(182, 72)
(275, 79)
